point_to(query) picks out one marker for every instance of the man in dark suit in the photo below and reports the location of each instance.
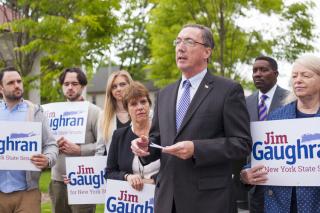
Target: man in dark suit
(264, 75)
(201, 143)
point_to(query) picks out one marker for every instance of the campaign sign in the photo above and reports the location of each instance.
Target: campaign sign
(121, 197)
(87, 184)
(18, 142)
(68, 119)
(289, 150)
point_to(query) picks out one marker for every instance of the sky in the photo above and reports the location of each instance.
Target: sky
(285, 68)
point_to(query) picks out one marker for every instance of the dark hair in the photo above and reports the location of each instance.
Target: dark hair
(207, 36)
(7, 69)
(134, 91)
(82, 78)
(273, 63)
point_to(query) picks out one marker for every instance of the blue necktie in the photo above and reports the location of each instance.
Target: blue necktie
(262, 108)
(183, 104)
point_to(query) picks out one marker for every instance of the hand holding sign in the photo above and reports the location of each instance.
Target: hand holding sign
(40, 161)
(67, 147)
(135, 181)
(254, 175)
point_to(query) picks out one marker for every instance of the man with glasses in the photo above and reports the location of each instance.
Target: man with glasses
(73, 81)
(202, 123)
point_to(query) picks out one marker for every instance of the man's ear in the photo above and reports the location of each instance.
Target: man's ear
(207, 53)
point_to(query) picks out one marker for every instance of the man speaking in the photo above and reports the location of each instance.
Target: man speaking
(203, 124)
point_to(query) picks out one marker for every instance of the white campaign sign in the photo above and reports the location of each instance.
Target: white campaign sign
(121, 197)
(289, 150)
(87, 184)
(18, 142)
(68, 119)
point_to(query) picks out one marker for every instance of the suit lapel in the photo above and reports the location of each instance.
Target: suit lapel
(204, 88)
(255, 107)
(276, 100)
(172, 109)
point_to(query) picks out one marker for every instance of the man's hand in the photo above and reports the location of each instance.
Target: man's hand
(253, 176)
(67, 147)
(40, 161)
(183, 149)
(140, 146)
(66, 180)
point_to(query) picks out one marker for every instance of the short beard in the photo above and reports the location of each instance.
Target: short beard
(75, 98)
(12, 97)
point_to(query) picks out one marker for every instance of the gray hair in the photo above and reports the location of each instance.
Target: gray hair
(207, 36)
(309, 62)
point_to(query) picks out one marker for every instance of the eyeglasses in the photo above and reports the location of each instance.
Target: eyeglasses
(187, 41)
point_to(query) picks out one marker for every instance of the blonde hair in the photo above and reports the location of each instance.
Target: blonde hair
(110, 104)
(309, 62)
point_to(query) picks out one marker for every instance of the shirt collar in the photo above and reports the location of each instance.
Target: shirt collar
(194, 80)
(22, 105)
(270, 93)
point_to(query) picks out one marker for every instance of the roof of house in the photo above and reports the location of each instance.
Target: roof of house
(6, 14)
(98, 83)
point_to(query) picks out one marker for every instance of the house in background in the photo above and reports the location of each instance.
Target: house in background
(97, 86)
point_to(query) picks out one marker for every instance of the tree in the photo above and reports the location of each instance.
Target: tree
(61, 33)
(235, 44)
(133, 40)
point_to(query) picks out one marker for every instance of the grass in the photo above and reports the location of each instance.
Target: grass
(44, 185)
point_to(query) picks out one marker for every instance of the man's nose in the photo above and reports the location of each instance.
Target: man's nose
(257, 73)
(181, 47)
(17, 84)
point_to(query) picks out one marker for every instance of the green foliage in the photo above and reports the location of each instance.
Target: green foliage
(133, 41)
(234, 44)
(45, 180)
(63, 33)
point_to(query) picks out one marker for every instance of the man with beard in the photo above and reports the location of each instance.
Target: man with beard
(19, 190)
(269, 97)
(73, 81)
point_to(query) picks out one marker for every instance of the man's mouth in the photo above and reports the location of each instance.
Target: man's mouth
(182, 58)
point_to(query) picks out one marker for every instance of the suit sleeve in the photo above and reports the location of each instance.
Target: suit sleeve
(154, 137)
(113, 170)
(236, 142)
(89, 148)
(49, 144)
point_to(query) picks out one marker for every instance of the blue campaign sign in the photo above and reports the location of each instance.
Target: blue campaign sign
(68, 120)
(18, 142)
(289, 150)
